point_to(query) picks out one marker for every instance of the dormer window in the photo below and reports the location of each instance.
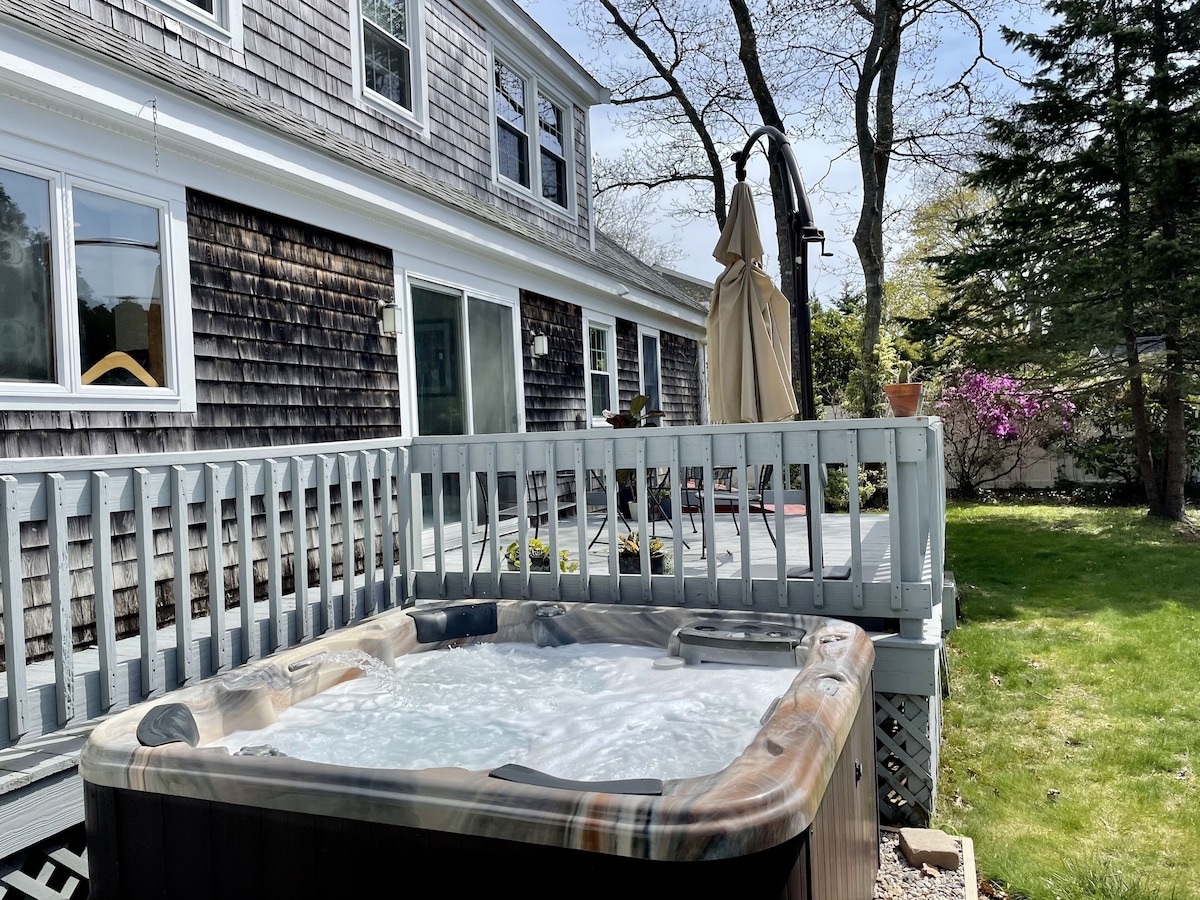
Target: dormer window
(527, 118)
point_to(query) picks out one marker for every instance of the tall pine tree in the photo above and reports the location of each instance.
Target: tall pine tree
(1086, 268)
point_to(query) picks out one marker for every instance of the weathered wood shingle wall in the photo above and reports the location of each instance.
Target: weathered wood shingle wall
(629, 383)
(554, 384)
(286, 321)
(680, 379)
(296, 74)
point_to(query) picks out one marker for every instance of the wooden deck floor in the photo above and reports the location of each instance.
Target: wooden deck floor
(726, 541)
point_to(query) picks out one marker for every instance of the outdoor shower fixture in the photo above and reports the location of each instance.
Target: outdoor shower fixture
(801, 232)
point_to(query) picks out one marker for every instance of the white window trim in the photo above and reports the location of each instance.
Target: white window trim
(416, 118)
(644, 331)
(224, 25)
(464, 292)
(65, 172)
(533, 87)
(609, 323)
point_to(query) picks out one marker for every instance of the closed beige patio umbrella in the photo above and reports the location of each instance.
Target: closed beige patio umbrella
(749, 345)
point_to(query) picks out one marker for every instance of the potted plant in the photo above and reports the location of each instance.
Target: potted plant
(637, 416)
(539, 557)
(904, 396)
(629, 554)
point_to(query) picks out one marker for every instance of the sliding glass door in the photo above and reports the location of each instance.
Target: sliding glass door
(465, 361)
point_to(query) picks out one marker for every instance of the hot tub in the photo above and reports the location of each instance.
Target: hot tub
(793, 816)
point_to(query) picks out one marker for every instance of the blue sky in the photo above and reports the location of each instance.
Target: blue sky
(831, 176)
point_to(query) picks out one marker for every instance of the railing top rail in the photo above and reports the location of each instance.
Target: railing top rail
(39, 464)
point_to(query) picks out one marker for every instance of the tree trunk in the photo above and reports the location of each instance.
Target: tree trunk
(875, 94)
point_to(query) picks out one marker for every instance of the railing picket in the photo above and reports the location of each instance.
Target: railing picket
(893, 472)
(102, 589)
(466, 516)
(60, 599)
(272, 484)
(408, 514)
(349, 537)
(181, 585)
(611, 494)
(644, 506)
(325, 541)
(245, 532)
(552, 524)
(709, 525)
(777, 494)
(581, 532)
(439, 521)
(300, 547)
(676, 481)
(152, 675)
(219, 637)
(367, 460)
(816, 512)
(743, 514)
(522, 517)
(387, 512)
(492, 486)
(14, 606)
(856, 565)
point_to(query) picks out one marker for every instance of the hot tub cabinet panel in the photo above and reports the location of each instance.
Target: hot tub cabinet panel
(793, 816)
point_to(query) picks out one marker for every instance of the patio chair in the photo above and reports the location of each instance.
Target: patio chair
(510, 511)
(597, 495)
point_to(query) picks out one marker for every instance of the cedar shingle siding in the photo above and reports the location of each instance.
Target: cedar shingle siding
(628, 379)
(554, 384)
(286, 320)
(680, 378)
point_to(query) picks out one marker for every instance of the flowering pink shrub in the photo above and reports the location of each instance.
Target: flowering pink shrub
(994, 424)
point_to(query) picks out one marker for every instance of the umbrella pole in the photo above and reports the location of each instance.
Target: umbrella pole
(802, 231)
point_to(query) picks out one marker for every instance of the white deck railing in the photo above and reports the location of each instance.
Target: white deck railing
(124, 543)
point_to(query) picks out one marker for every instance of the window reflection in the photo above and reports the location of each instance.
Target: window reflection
(26, 300)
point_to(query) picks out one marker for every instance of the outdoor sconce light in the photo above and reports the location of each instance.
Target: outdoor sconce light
(387, 315)
(541, 345)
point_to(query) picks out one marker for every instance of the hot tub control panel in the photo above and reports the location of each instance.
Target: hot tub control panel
(740, 643)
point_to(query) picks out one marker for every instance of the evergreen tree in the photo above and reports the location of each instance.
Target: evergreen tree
(1086, 268)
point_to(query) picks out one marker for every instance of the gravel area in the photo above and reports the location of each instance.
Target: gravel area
(900, 881)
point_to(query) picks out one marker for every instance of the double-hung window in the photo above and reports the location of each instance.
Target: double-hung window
(90, 313)
(387, 46)
(650, 369)
(600, 357)
(532, 136)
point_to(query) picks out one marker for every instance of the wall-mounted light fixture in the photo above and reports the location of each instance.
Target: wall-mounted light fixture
(387, 315)
(541, 345)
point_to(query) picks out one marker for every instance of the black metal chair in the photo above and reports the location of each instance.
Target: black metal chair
(506, 512)
(596, 494)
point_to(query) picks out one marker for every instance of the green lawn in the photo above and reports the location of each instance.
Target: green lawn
(1072, 737)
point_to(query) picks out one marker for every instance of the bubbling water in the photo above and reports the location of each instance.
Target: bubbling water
(581, 711)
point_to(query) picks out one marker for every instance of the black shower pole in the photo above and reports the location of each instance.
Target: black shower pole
(802, 231)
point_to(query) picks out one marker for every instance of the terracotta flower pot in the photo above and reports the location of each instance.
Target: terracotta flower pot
(905, 398)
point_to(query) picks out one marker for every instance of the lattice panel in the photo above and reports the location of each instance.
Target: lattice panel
(55, 869)
(907, 731)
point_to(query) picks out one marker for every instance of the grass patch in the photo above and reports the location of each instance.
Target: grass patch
(1072, 739)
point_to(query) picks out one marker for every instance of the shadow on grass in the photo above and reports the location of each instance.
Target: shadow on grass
(1067, 561)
